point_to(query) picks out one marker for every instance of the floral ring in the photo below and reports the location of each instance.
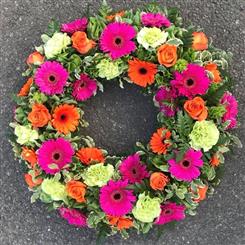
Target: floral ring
(160, 182)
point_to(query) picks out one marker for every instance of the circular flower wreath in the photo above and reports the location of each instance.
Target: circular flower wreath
(160, 182)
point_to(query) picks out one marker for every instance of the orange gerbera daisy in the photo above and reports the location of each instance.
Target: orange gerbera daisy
(120, 222)
(65, 118)
(160, 141)
(26, 88)
(90, 154)
(141, 72)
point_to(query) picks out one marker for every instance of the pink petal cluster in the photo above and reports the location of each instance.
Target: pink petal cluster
(164, 98)
(116, 39)
(231, 106)
(84, 88)
(51, 77)
(188, 168)
(171, 212)
(133, 170)
(155, 20)
(73, 216)
(54, 154)
(75, 25)
(192, 81)
(115, 199)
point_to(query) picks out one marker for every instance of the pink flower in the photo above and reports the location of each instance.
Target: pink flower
(132, 170)
(188, 168)
(76, 25)
(115, 199)
(171, 212)
(84, 88)
(155, 20)
(192, 81)
(73, 216)
(116, 39)
(51, 77)
(231, 106)
(164, 98)
(54, 155)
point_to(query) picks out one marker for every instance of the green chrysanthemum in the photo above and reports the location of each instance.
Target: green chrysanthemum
(25, 134)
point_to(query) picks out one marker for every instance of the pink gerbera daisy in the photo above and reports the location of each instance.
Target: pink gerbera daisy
(116, 39)
(84, 88)
(192, 81)
(164, 98)
(115, 199)
(75, 25)
(132, 170)
(51, 77)
(155, 20)
(188, 168)
(170, 212)
(73, 216)
(54, 155)
(231, 106)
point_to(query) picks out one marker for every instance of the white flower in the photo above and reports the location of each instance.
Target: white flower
(25, 134)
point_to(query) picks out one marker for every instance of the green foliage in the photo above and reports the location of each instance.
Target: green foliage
(216, 112)
(53, 27)
(184, 125)
(95, 27)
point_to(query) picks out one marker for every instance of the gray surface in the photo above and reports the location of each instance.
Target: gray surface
(220, 219)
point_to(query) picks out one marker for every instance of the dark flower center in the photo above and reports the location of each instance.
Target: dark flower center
(134, 171)
(118, 41)
(82, 85)
(51, 78)
(63, 117)
(56, 156)
(142, 71)
(189, 82)
(186, 163)
(117, 196)
(168, 211)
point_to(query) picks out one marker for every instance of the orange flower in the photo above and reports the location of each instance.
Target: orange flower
(65, 118)
(213, 69)
(201, 191)
(160, 141)
(89, 154)
(196, 108)
(113, 16)
(141, 72)
(29, 155)
(35, 58)
(120, 222)
(215, 160)
(200, 41)
(77, 190)
(39, 116)
(167, 55)
(158, 181)
(24, 91)
(32, 182)
(81, 43)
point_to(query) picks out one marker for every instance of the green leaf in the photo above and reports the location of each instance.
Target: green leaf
(175, 41)
(53, 27)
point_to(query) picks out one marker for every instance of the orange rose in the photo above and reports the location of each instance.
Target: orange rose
(89, 155)
(158, 181)
(213, 69)
(76, 190)
(29, 155)
(35, 58)
(167, 55)
(39, 116)
(113, 16)
(215, 160)
(81, 43)
(201, 191)
(26, 88)
(120, 222)
(33, 182)
(200, 41)
(196, 108)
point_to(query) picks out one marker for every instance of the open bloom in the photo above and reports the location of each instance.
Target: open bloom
(116, 39)
(51, 77)
(170, 212)
(115, 199)
(25, 134)
(73, 216)
(188, 168)
(133, 170)
(192, 81)
(77, 190)
(75, 25)
(54, 155)
(155, 20)
(160, 141)
(84, 88)
(141, 72)
(120, 223)
(167, 55)
(158, 181)
(89, 155)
